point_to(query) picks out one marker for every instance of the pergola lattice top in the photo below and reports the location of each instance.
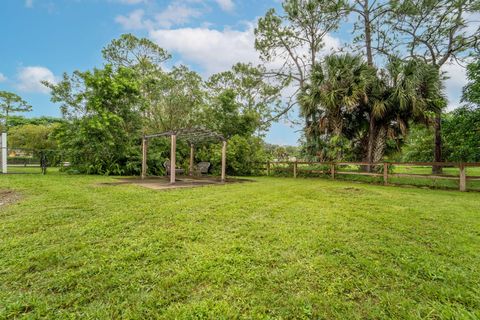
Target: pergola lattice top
(191, 135)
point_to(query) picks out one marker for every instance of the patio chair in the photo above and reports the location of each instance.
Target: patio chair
(202, 167)
(166, 164)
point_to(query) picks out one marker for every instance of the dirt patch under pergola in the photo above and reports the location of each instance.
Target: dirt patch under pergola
(8, 197)
(163, 183)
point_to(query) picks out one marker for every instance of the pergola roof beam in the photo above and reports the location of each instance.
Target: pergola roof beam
(189, 134)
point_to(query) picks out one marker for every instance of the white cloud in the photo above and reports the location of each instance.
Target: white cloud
(176, 14)
(29, 79)
(226, 5)
(2, 77)
(133, 21)
(29, 3)
(213, 50)
(216, 50)
(457, 79)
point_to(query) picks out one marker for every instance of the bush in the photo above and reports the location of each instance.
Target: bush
(242, 155)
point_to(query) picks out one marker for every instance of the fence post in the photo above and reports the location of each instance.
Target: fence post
(332, 170)
(295, 169)
(268, 168)
(385, 173)
(4, 153)
(463, 177)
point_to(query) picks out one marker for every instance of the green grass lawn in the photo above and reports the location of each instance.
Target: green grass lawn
(26, 169)
(275, 248)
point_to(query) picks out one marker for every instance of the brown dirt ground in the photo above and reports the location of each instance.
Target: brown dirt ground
(163, 183)
(8, 197)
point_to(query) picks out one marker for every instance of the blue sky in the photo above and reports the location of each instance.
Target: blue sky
(41, 39)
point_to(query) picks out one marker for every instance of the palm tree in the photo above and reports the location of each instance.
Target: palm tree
(350, 101)
(339, 89)
(407, 91)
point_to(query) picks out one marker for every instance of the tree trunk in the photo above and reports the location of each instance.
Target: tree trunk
(380, 144)
(368, 49)
(371, 142)
(438, 143)
(368, 33)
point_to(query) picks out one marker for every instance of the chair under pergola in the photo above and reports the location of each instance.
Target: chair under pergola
(193, 136)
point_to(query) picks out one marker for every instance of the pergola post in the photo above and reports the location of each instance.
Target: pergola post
(144, 157)
(190, 170)
(173, 152)
(224, 159)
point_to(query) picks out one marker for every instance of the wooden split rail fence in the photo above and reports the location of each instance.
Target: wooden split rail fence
(380, 170)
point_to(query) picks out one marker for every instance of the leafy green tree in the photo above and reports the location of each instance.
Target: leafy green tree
(240, 101)
(244, 154)
(175, 100)
(129, 51)
(223, 115)
(254, 94)
(32, 136)
(418, 145)
(461, 133)
(145, 59)
(282, 152)
(11, 103)
(471, 92)
(14, 121)
(104, 122)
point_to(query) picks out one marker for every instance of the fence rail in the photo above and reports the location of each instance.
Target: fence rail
(380, 169)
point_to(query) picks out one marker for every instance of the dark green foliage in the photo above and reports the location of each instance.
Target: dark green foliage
(14, 121)
(104, 125)
(242, 154)
(418, 145)
(33, 136)
(461, 130)
(471, 92)
(130, 51)
(282, 153)
(10, 103)
(461, 135)
(225, 117)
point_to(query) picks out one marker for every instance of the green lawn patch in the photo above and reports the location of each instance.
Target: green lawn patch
(277, 248)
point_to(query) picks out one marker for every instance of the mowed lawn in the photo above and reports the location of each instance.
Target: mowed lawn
(274, 248)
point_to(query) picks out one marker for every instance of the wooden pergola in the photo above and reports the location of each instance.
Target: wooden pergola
(193, 136)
